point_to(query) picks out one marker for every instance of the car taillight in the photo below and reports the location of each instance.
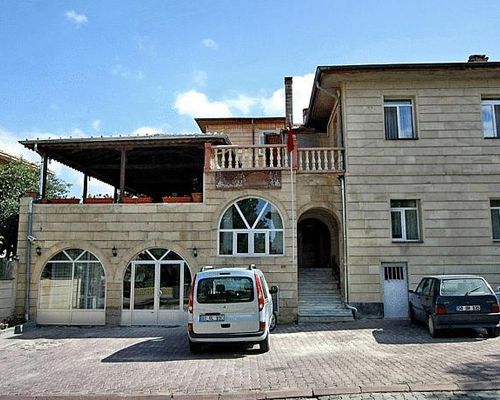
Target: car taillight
(440, 309)
(191, 294)
(262, 326)
(495, 308)
(190, 327)
(260, 292)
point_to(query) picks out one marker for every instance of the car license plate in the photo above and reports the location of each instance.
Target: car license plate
(212, 318)
(468, 308)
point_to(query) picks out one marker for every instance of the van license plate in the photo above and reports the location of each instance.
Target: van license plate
(468, 308)
(212, 318)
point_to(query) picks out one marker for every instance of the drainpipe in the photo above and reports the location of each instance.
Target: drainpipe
(336, 96)
(28, 260)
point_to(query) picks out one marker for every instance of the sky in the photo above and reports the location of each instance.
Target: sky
(101, 68)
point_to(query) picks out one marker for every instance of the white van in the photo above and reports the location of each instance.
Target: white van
(229, 305)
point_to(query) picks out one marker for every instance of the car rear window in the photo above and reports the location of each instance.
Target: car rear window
(225, 290)
(464, 286)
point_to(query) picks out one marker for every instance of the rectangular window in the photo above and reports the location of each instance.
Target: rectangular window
(491, 118)
(225, 290)
(495, 218)
(404, 221)
(398, 119)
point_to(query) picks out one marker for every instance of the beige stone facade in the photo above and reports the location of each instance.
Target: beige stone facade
(451, 169)
(132, 228)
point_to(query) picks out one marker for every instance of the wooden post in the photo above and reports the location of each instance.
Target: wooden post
(123, 164)
(85, 185)
(45, 161)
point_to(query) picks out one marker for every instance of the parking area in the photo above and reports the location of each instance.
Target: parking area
(363, 355)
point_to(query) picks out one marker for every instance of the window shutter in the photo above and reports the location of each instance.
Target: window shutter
(391, 122)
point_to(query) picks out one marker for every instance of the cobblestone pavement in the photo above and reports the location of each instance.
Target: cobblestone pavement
(473, 395)
(366, 356)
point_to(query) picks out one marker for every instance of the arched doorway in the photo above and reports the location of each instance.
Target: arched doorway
(314, 244)
(155, 288)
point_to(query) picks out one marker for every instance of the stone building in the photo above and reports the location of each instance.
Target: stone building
(394, 174)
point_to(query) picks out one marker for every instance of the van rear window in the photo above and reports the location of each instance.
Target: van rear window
(464, 287)
(225, 290)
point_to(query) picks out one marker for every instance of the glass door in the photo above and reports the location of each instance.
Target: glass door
(170, 292)
(144, 293)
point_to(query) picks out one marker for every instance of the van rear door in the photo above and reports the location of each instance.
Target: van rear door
(226, 303)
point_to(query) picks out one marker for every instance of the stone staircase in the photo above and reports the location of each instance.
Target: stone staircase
(319, 297)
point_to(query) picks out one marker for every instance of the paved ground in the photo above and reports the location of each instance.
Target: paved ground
(319, 359)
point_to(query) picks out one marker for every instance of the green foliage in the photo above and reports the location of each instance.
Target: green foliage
(16, 178)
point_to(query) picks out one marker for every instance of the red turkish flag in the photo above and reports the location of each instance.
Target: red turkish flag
(290, 143)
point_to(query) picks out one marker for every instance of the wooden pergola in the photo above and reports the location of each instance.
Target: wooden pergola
(149, 165)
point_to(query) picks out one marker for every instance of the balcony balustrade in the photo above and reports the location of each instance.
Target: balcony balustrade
(274, 157)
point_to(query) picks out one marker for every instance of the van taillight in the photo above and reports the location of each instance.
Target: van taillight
(440, 309)
(191, 294)
(260, 292)
(190, 327)
(495, 308)
(262, 325)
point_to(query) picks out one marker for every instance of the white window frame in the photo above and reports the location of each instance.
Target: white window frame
(491, 103)
(402, 211)
(398, 103)
(497, 209)
(251, 231)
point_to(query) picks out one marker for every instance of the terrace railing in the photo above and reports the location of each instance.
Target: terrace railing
(274, 157)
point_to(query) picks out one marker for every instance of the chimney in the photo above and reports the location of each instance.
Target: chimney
(288, 101)
(474, 58)
(304, 115)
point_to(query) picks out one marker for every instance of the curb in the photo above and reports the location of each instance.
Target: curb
(451, 387)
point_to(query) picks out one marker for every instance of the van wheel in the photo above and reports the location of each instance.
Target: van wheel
(194, 348)
(493, 332)
(264, 345)
(272, 322)
(432, 329)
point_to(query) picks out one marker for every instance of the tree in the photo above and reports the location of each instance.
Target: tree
(16, 178)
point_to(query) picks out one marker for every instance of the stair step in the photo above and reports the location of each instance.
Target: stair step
(320, 299)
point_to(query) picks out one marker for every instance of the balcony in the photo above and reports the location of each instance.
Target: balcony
(274, 158)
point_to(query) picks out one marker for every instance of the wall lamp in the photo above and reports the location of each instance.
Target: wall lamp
(38, 251)
(114, 251)
(195, 251)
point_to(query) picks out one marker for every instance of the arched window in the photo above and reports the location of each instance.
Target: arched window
(72, 283)
(251, 227)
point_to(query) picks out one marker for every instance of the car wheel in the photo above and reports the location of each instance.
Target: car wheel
(493, 332)
(194, 348)
(272, 322)
(264, 345)
(413, 318)
(432, 329)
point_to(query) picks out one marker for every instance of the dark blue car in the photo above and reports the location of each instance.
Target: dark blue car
(455, 301)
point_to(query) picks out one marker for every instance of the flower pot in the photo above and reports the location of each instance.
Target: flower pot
(97, 200)
(197, 197)
(137, 200)
(60, 201)
(31, 193)
(179, 199)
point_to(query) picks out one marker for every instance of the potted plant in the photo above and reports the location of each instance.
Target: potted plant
(137, 199)
(174, 198)
(61, 200)
(196, 194)
(98, 199)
